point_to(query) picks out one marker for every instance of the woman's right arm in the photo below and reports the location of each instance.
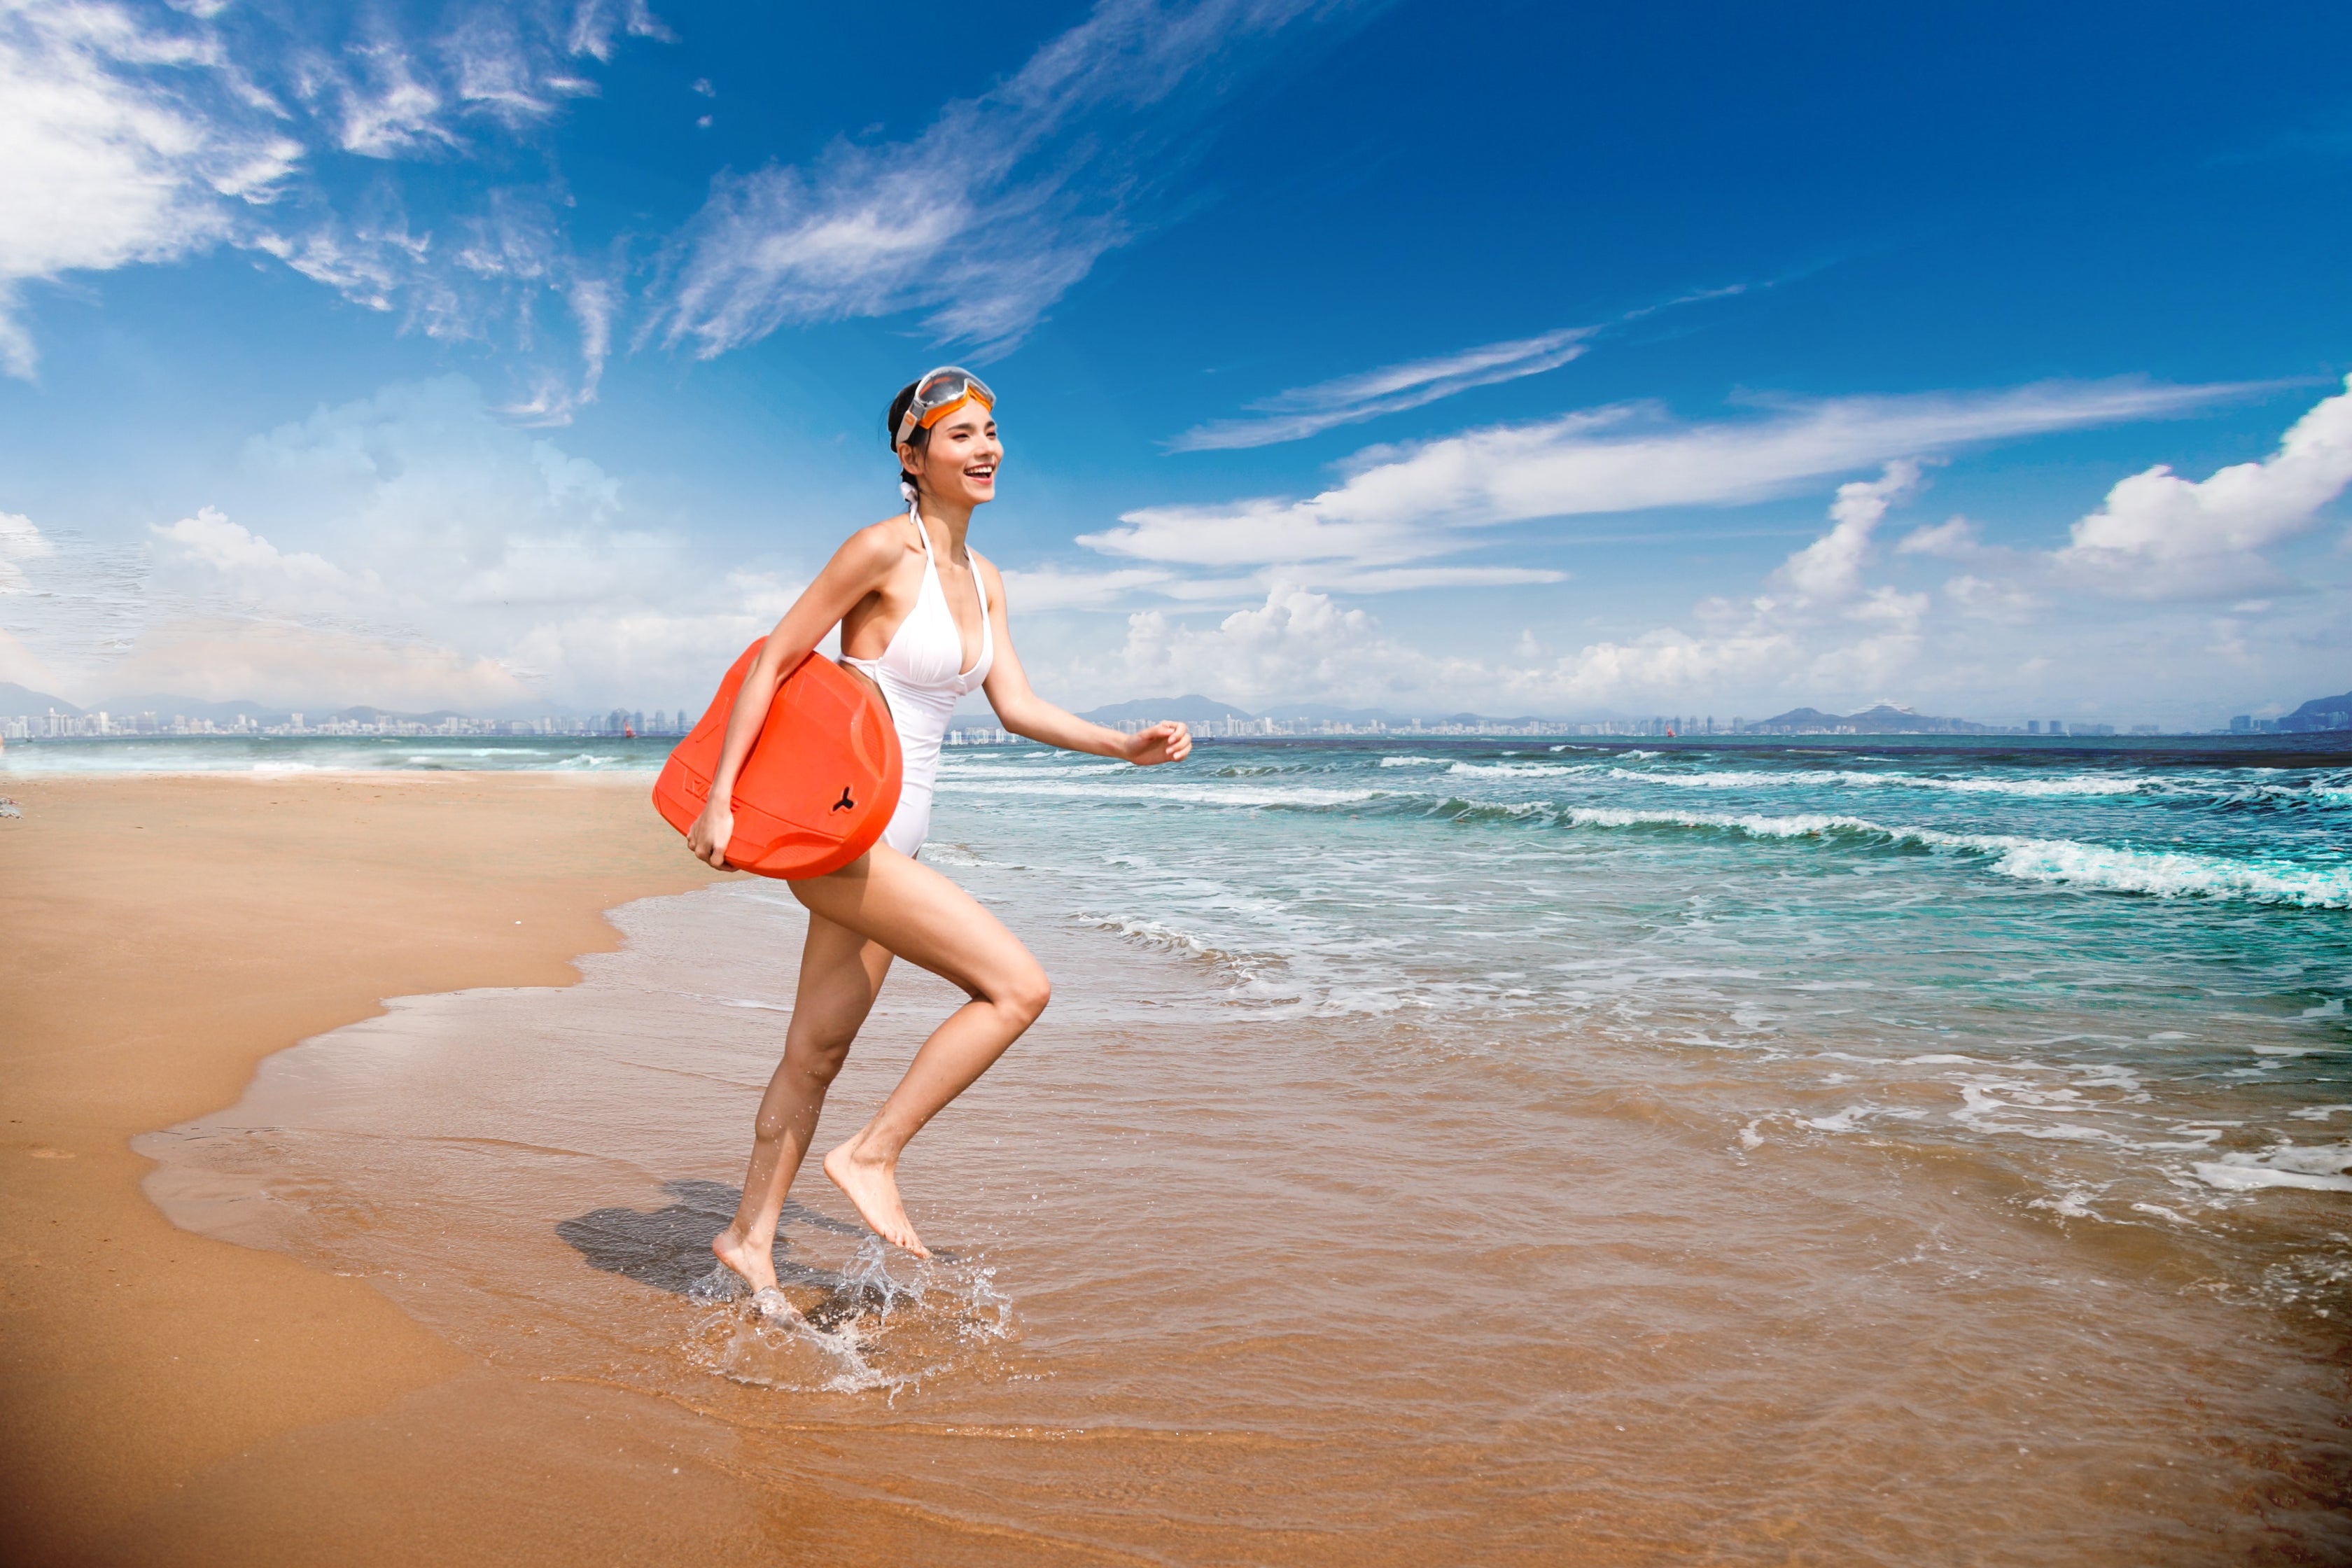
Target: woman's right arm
(857, 569)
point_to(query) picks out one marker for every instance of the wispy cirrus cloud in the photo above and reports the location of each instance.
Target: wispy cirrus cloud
(1352, 399)
(1413, 503)
(123, 138)
(1306, 411)
(135, 132)
(1001, 204)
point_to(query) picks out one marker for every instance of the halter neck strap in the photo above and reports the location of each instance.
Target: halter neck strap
(915, 516)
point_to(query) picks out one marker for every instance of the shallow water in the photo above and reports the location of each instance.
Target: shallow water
(1516, 1154)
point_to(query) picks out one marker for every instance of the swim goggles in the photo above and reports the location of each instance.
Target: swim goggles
(937, 395)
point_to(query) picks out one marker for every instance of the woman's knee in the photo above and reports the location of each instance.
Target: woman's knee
(818, 1057)
(1024, 993)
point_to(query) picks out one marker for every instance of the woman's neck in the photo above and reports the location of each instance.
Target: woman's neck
(946, 522)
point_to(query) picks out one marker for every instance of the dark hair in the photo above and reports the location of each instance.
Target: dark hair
(921, 438)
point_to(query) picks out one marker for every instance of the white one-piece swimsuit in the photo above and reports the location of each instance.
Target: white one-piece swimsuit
(921, 675)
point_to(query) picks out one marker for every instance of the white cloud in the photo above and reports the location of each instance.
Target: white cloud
(378, 91)
(152, 136)
(255, 568)
(2161, 536)
(1254, 532)
(1818, 623)
(1829, 568)
(1003, 203)
(1301, 645)
(1350, 399)
(416, 550)
(19, 541)
(2006, 632)
(1954, 538)
(121, 140)
(1405, 579)
(412, 550)
(1995, 634)
(1296, 643)
(386, 112)
(1407, 504)
(1994, 598)
(1051, 588)
(595, 23)
(1309, 410)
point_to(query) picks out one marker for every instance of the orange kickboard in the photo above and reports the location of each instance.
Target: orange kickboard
(819, 786)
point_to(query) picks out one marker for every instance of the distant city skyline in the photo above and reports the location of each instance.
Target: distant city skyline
(1210, 718)
(509, 362)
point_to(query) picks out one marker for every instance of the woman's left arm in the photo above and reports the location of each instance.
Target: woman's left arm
(1026, 714)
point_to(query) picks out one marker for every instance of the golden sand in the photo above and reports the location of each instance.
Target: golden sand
(173, 1399)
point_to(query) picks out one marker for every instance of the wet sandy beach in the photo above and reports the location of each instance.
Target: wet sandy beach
(1226, 1288)
(1231, 1275)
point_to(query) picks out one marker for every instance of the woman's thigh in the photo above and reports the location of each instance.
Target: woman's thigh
(841, 975)
(926, 919)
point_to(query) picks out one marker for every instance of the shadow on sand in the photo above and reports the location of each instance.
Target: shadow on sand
(669, 1248)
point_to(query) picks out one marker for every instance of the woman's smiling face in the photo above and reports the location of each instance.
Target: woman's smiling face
(959, 464)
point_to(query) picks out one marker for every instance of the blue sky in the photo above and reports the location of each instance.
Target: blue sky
(1571, 360)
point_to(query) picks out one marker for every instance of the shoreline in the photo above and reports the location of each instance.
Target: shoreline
(171, 1397)
(1697, 1321)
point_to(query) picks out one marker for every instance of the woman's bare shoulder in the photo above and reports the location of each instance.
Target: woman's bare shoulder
(878, 545)
(989, 574)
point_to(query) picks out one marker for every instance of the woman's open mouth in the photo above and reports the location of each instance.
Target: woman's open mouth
(983, 475)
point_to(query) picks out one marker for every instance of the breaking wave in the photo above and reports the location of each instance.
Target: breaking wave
(2157, 873)
(2076, 784)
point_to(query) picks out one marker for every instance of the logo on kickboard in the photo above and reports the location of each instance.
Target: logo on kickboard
(845, 803)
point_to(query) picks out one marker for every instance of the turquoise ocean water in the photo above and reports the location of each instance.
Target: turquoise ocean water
(2122, 967)
(2117, 975)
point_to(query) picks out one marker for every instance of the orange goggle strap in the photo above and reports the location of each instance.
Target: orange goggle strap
(971, 395)
(973, 392)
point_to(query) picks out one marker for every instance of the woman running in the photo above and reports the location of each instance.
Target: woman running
(924, 618)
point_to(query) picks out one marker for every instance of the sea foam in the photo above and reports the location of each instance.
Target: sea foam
(2315, 1167)
(1752, 778)
(2164, 873)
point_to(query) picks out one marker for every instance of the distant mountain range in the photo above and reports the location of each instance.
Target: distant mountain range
(1195, 709)
(2320, 713)
(15, 699)
(1883, 719)
(164, 704)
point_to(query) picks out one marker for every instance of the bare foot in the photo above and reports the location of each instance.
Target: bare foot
(872, 1185)
(757, 1265)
